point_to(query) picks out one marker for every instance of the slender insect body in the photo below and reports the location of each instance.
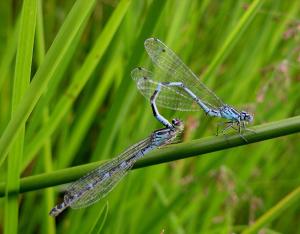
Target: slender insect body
(96, 184)
(180, 88)
(156, 114)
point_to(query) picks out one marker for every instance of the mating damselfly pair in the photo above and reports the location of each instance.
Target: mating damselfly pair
(180, 90)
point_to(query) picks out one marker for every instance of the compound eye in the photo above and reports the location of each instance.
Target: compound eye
(175, 122)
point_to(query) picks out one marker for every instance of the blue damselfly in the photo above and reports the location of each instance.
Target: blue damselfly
(178, 88)
(99, 182)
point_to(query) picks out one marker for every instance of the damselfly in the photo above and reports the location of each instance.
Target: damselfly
(180, 89)
(99, 182)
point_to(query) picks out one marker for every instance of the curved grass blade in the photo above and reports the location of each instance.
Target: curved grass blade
(80, 79)
(100, 221)
(124, 95)
(274, 212)
(77, 16)
(168, 154)
(20, 84)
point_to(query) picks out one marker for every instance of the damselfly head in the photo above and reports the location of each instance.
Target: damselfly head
(177, 123)
(245, 116)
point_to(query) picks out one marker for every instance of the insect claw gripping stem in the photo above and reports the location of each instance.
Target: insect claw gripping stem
(241, 135)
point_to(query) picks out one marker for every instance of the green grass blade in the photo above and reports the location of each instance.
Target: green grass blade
(274, 212)
(5, 24)
(80, 79)
(9, 54)
(100, 220)
(211, 144)
(6, 61)
(124, 95)
(48, 193)
(80, 11)
(40, 38)
(36, 118)
(87, 116)
(169, 153)
(248, 52)
(232, 39)
(46, 159)
(21, 82)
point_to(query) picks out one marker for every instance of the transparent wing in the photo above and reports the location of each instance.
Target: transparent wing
(170, 97)
(171, 64)
(101, 188)
(99, 182)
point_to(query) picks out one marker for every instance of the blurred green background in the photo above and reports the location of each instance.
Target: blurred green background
(90, 110)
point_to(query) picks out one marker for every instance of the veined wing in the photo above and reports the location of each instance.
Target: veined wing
(170, 63)
(99, 182)
(173, 98)
(101, 189)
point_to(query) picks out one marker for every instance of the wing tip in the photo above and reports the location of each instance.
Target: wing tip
(150, 41)
(134, 72)
(140, 72)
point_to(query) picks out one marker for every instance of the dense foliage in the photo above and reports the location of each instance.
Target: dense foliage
(67, 99)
